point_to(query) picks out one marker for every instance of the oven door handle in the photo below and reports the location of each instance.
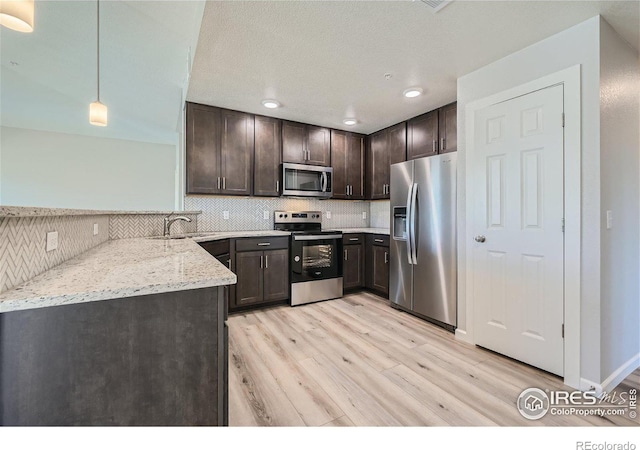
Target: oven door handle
(316, 237)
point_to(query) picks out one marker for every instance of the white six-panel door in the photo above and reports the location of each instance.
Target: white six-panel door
(517, 260)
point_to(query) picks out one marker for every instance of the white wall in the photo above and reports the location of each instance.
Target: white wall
(41, 168)
(619, 165)
(577, 45)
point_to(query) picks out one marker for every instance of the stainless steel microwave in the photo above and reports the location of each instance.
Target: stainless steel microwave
(303, 180)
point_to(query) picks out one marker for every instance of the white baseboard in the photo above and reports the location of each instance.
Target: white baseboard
(461, 335)
(588, 385)
(621, 373)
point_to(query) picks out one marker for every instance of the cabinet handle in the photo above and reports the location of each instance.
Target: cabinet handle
(218, 182)
(224, 183)
(229, 263)
(384, 189)
(261, 262)
(264, 244)
(386, 257)
(346, 258)
(346, 190)
(353, 239)
(378, 240)
(435, 146)
(266, 261)
(442, 144)
(278, 186)
(350, 190)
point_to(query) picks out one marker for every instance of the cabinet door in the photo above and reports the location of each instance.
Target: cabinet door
(236, 155)
(353, 266)
(339, 163)
(449, 128)
(381, 269)
(378, 165)
(397, 145)
(249, 289)
(422, 135)
(203, 149)
(268, 157)
(355, 165)
(318, 146)
(276, 275)
(294, 144)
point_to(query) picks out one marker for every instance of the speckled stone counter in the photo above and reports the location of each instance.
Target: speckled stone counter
(119, 269)
(34, 211)
(366, 230)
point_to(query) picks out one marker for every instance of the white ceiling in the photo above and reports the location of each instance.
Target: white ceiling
(325, 61)
(144, 52)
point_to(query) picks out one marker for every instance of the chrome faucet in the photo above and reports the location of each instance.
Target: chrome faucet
(168, 222)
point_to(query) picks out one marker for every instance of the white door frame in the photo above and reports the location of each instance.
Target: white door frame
(570, 78)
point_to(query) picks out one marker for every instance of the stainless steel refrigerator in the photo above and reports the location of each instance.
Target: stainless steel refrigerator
(423, 238)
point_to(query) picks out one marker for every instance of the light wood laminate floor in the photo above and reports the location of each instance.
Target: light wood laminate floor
(357, 361)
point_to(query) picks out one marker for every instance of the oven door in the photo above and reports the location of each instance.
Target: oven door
(315, 257)
(303, 180)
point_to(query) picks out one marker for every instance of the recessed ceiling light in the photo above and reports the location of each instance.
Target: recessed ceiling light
(271, 104)
(412, 92)
(349, 122)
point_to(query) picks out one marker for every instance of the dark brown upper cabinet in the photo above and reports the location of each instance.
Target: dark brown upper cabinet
(219, 151)
(347, 161)
(268, 157)
(385, 147)
(306, 144)
(448, 121)
(422, 136)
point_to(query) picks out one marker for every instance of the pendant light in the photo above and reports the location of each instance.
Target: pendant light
(97, 110)
(17, 15)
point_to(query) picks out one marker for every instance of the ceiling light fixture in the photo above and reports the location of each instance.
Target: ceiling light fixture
(271, 104)
(97, 110)
(412, 92)
(350, 122)
(17, 15)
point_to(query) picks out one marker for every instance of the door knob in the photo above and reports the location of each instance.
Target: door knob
(480, 238)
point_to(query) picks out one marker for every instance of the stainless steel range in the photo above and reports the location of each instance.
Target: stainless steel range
(315, 257)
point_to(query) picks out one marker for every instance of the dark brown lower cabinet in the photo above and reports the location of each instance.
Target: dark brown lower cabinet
(377, 257)
(263, 277)
(353, 261)
(159, 359)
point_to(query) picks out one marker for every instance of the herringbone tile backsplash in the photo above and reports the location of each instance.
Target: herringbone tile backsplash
(142, 225)
(248, 213)
(380, 214)
(23, 253)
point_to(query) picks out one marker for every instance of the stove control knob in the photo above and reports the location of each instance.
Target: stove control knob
(296, 258)
(280, 216)
(286, 215)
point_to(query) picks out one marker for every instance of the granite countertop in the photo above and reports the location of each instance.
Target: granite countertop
(29, 211)
(366, 230)
(118, 269)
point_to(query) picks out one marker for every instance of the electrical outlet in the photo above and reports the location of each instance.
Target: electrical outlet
(265, 214)
(95, 229)
(328, 214)
(225, 215)
(364, 215)
(52, 240)
(609, 219)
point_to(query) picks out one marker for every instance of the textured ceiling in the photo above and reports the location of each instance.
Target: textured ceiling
(325, 61)
(144, 48)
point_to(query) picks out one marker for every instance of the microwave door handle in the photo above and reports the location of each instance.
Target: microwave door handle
(408, 229)
(323, 181)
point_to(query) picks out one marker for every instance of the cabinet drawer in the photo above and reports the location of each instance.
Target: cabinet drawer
(350, 239)
(380, 239)
(216, 248)
(265, 243)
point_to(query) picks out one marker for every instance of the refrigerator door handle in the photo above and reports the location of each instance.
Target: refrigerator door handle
(409, 231)
(412, 223)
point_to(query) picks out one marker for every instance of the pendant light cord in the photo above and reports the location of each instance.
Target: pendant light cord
(98, 47)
